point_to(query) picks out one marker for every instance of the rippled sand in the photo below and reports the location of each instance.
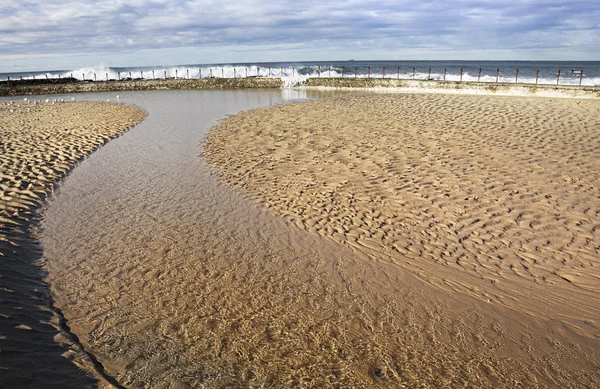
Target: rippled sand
(39, 144)
(171, 279)
(492, 197)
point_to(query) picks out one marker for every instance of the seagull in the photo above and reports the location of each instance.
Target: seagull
(47, 100)
(12, 110)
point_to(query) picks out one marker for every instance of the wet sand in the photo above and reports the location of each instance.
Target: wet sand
(40, 144)
(185, 282)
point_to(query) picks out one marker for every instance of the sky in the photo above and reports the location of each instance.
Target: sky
(66, 34)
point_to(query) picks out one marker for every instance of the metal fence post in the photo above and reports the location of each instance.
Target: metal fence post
(94, 76)
(517, 76)
(413, 73)
(398, 73)
(557, 76)
(444, 74)
(355, 71)
(497, 74)
(580, 76)
(329, 74)
(429, 74)
(383, 72)
(537, 75)
(461, 73)
(479, 75)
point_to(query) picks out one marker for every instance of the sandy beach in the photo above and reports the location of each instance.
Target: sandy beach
(40, 144)
(491, 197)
(366, 241)
(503, 189)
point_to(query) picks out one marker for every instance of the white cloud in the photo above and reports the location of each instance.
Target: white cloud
(118, 29)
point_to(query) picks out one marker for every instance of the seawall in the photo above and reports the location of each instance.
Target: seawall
(54, 86)
(454, 87)
(57, 86)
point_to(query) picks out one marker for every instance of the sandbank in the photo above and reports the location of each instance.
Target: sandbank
(41, 143)
(487, 196)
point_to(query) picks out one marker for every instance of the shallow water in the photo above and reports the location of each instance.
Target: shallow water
(171, 279)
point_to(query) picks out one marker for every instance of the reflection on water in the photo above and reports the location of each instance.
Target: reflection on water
(173, 280)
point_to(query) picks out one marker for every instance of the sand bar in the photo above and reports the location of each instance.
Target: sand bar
(40, 144)
(491, 197)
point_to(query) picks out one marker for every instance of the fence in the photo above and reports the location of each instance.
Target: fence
(268, 72)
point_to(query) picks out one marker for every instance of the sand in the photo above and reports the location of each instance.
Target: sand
(170, 279)
(40, 144)
(495, 198)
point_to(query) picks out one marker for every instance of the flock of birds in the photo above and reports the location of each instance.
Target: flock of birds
(27, 101)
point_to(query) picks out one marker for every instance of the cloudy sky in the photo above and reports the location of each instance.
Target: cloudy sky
(67, 34)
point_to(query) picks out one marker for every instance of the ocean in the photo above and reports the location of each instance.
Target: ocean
(586, 73)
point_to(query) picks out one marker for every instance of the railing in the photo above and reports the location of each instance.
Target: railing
(151, 75)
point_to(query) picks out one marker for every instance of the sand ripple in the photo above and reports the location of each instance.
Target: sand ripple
(39, 144)
(497, 197)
